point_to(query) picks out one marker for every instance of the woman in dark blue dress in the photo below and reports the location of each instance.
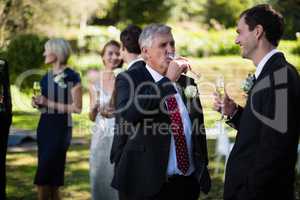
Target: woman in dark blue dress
(61, 95)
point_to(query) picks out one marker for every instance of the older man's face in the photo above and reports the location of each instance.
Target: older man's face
(158, 54)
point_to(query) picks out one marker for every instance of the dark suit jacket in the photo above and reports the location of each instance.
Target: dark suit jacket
(5, 115)
(5, 122)
(141, 144)
(262, 162)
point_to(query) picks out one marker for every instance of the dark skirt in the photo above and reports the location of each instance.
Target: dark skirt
(53, 139)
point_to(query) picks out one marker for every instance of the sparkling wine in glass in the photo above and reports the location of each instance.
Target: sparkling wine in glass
(174, 56)
(36, 88)
(220, 89)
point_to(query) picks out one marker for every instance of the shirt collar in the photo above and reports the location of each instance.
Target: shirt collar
(155, 75)
(134, 61)
(263, 61)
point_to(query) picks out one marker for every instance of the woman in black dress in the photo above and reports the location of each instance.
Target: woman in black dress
(61, 95)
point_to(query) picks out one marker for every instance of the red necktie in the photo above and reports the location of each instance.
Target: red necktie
(182, 155)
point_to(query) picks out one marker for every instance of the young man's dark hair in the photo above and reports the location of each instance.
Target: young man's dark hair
(271, 21)
(129, 38)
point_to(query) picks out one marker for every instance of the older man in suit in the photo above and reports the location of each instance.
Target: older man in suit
(5, 121)
(159, 149)
(262, 162)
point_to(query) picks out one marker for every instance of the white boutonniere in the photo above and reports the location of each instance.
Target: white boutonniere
(117, 71)
(59, 79)
(248, 83)
(191, 91)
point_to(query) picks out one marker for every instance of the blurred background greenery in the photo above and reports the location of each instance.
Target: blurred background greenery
(202, 28)
(204, 31)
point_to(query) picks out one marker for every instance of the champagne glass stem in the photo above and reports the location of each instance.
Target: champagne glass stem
(195, 73)
(222, 112)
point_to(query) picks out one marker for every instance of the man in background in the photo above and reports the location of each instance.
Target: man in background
(130, 51)
(5, 122)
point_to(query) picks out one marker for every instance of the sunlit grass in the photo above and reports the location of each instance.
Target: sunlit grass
(21, 169)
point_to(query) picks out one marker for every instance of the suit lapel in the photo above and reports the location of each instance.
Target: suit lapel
(268, 67)
(181, 84)
(145, 74)
(188, 102)
(180, 90)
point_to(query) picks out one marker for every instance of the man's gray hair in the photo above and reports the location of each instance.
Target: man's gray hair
(148, 33)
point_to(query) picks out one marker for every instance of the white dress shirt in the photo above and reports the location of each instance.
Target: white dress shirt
(263, 61)
(187, 127)
(134, 61)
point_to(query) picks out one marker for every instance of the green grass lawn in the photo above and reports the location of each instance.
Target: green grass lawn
(21, 166)
(21, 170)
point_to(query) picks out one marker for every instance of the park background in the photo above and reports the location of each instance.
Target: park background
(204, 31)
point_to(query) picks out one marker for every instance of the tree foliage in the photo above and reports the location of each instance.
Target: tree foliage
(25, 52)
(140, 12)
(290, 9)
(186, 10)
(47, 16)
(15, 16)
(224, 11)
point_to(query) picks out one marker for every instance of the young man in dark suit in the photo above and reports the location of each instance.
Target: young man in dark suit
(262, 162)
(130, 51)
(159, 148)
(5, 121)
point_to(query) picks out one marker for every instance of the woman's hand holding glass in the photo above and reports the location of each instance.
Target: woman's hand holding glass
(36, 92)
(38, 100)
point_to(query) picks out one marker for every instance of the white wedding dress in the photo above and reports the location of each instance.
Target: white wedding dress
(101, 170)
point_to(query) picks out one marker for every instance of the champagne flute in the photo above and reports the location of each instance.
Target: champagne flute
(220, 89)
(36, 88)
(174, 56)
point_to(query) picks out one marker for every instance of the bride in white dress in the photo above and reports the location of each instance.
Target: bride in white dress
(100, 91)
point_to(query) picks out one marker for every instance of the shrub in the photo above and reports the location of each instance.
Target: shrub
(200, 43)
(296, 50)
(25, 52)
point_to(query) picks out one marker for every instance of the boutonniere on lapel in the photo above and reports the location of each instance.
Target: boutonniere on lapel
(60, 80)
(248, 83)
(117, 71)
(191, 91)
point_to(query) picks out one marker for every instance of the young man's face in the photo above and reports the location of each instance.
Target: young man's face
(246, 39)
